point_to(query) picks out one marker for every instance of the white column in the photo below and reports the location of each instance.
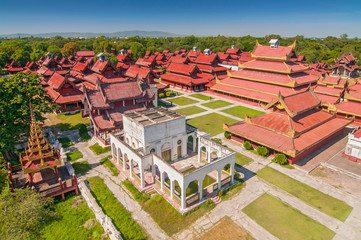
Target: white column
(124, 163)
(219, 178)
(199, 153)
(153, 173)
(200, 188)
(232, 172)
(171, 189)
(209, 154)
(142, 183)
(183, 197)
(131, 168)
(161, 181)
(194, 143)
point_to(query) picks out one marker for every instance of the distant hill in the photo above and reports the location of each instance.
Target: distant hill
(90, 35)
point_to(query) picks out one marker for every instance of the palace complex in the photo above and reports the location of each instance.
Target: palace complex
(157, 149)
(295, 127)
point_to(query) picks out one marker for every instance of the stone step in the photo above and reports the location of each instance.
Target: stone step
(149, 190)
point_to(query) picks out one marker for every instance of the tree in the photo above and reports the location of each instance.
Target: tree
(343, 36)
(69, 49)
(54, 50)
(113, 59)
(21, 56)
(280, 158)
(23, 213)
(247, 145)
(262, 151)
(138, 50)
(36, 54)
(16, 93)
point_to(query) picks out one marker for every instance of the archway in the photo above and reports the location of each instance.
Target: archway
(214, 156)
(166, 151)
(203, 153)
(190, 142)
(192, 188)
(114, 151)
(126, 160)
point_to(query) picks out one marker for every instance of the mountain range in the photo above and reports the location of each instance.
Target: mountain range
(131, 33)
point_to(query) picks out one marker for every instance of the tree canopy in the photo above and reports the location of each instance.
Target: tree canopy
(16, 93)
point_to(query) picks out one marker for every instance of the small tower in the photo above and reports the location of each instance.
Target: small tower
(207, 51)
(102, 57)
(122, 52)
(274, 43)
(195, 49)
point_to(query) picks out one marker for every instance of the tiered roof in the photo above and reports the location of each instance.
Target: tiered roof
(271, 72)
(294, 126)
(39, 154)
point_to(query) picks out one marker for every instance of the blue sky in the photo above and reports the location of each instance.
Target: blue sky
(317, 18)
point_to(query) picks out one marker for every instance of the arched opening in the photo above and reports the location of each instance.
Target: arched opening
(166, 151)
(133, 145)
(214, 156)
(190, 142)
(203, 153)
(120, 155)
(152, 150)
(126, 161)
(192, 188)
(114, 151)
(127, 140)
(227, 168)
(179, 149)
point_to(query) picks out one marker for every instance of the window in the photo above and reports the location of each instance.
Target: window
(179, 142)
(152, 150)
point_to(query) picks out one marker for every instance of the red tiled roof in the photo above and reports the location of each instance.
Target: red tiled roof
(329, 91)
(80, 67)
(56, 81)
(233, 51)
(274, 66)
(302, 101)
(268, 52)
(184, 69)
(135, 71)
(121, 90)
(85, 54)
(350, 107)
(186, 80)
(145, 62)
(206, 59)
(326, 99)
(100, 66)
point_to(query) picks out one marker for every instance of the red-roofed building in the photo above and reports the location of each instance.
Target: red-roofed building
(104, 67)
(64, 92)
(346, 66)
(106, 104)
(14, 67)
(330, 90)
(295, 127)
(261, 79)
(124, 61)
(85, 54)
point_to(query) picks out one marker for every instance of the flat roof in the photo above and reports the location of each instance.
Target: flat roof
(153, 115)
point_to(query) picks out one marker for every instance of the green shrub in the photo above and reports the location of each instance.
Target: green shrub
(247, 145)
(262, 151)
(83, 132)
(280, 158)
(209, 201)
(217, 140)
(227, 135)
(97, 149)
(161, 95)
(65, 142)
(168, 94)
(220, 193)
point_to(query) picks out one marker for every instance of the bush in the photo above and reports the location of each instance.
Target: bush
(280, 158)
(83, 132)
(161, 95)
(220, 193)
(247, 145)
(227, 135)
(217, 140)
(65, 142)
(262, 151)
(168, 94)
(209, 201)
(97, 149)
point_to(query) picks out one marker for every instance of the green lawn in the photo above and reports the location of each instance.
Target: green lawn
(121, 218)
(285, 222)
(74, 155)
(168, 218)
(65, 142)
(97, 149)
(105, 161)
(139, 196)
(240, 111)
(71, 121)
(72, 214)
(81, 167)
(83, 132)
(200, 96)
(182, 101)
(242, 160)
(323, 202)
(216, 104)
(187, 111)
(211, 123)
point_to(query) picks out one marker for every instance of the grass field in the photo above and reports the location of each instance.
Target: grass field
(182, 101)
(187, 111)
(226, 229)
(71, 121)
(242, 159)
(74, 221)
(97, 149)
(285, 222)
(240, 111)
(74, 155)
(105, 161)
(65, 142)
(121, 218)
(323, 202)
(81, 167)
(216, 104)
(200, 96)
(211, 123)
